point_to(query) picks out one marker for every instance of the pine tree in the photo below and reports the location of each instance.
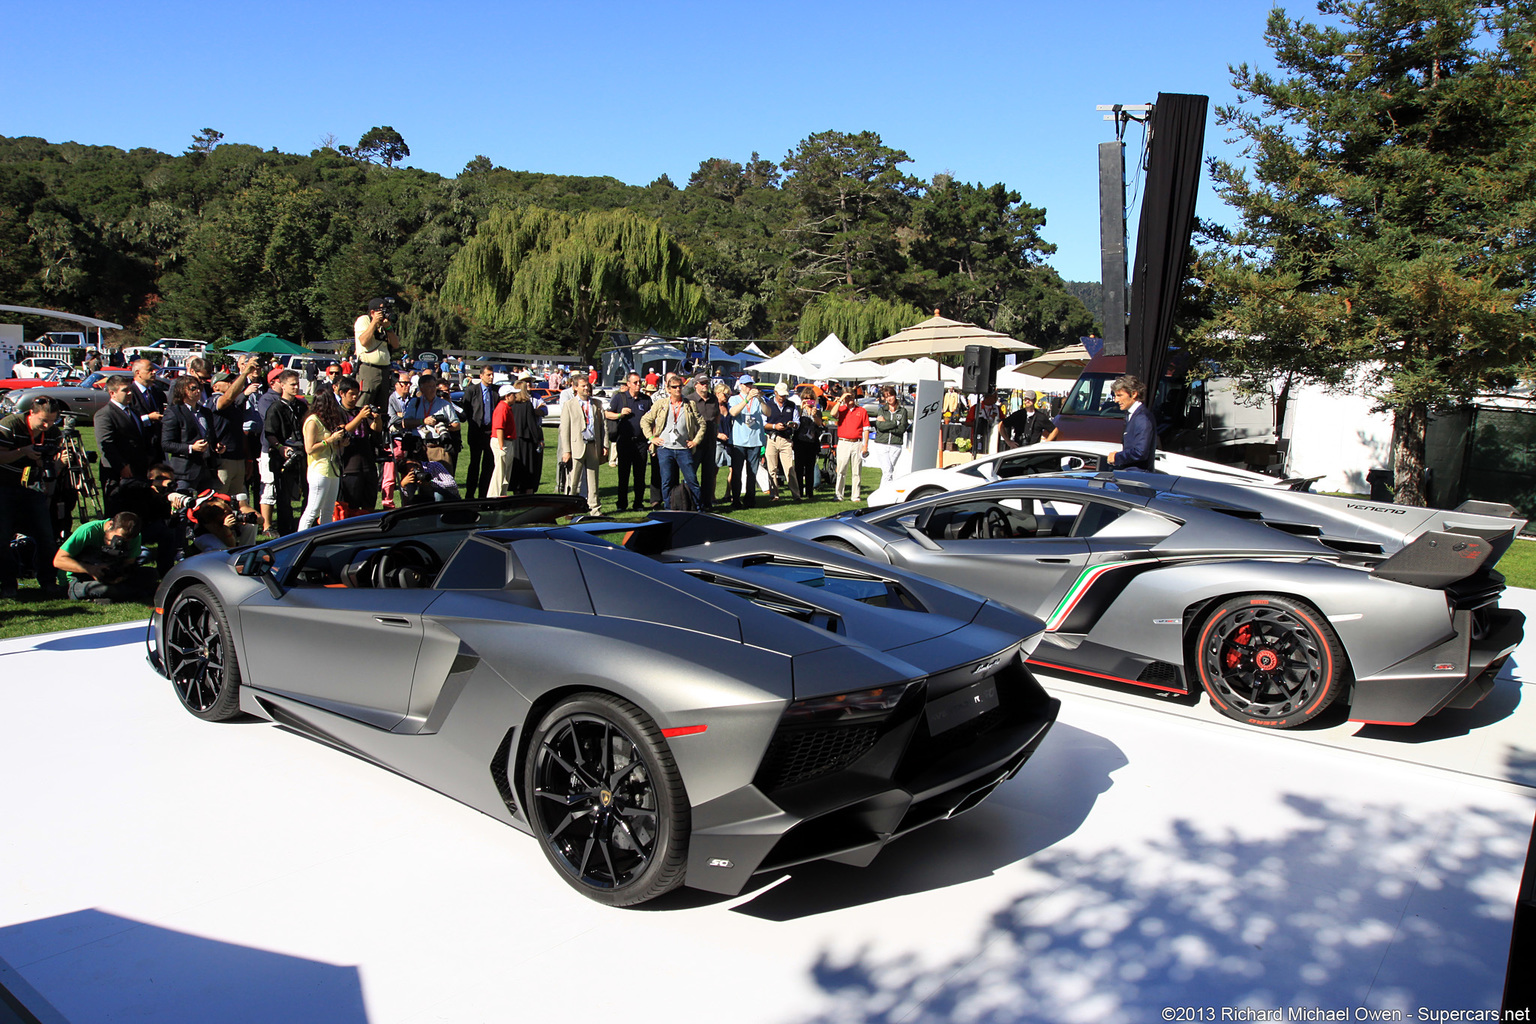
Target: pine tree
(1387, 222)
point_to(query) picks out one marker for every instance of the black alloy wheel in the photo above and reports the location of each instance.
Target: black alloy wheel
(200, 655)
(1268, 660)
(606, 798)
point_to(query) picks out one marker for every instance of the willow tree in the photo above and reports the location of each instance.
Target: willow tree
(581, 275)
(855, 321)
(1388, 217)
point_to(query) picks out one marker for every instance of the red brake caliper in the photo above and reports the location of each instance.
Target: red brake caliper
(1241, 638)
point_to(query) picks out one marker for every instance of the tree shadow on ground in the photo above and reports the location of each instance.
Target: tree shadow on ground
(91, 965)
(1381, 906)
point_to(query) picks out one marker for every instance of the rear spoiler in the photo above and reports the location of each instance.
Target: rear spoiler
(1299, 483)
(1436, 560)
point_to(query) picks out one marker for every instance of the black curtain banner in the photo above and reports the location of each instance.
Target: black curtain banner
(1162, 237)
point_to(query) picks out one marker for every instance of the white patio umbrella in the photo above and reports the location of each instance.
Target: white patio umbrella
(941, 336)
(853, 369)
(1060, 364)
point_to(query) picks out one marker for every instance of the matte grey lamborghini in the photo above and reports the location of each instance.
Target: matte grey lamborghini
(1274, 602)
(654, 720)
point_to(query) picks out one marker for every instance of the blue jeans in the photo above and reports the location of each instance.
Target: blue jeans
(672, 460)
(744, 463)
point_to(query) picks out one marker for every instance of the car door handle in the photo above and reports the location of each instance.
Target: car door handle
(392, 620)
(1054, 561)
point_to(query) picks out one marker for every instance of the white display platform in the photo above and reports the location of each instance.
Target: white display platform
(158, 868)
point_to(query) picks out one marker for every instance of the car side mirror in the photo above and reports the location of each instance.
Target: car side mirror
(260, 563)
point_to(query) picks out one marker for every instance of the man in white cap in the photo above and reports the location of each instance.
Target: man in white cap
(780, 420)
(746, 412)
(500, 442)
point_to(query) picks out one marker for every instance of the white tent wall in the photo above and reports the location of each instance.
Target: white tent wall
(1336, 436)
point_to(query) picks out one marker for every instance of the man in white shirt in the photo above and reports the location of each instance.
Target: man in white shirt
(375, 346)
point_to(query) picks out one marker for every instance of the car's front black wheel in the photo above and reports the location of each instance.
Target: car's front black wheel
(607, 801)
(200, 655)
(1268, 660)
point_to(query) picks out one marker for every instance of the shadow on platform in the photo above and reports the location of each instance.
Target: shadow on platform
(128, 633)
(1500, 703)
(1354, 905)
(1046, 802)
(115, 968)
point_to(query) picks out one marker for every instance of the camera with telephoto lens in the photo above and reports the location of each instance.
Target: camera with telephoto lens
(295, 446)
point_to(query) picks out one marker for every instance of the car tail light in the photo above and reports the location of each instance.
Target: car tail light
(854, 706)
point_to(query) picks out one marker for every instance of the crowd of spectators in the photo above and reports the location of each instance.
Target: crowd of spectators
(216, 460)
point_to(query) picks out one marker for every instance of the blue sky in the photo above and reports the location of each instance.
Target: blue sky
(985, 91)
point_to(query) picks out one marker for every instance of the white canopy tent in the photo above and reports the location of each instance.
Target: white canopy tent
(829, 352)
(910, 371)
(789, 363)
(1009, 379)
(751, 349)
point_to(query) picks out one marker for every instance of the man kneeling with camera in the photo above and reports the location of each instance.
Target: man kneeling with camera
(102, 558)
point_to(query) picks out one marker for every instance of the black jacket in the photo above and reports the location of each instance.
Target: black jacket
(122, 440)
(474, 406)
(182, 426)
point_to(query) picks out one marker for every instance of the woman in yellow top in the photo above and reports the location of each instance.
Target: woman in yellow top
(326, 432)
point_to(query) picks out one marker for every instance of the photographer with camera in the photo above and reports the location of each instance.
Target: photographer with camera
(285, 448)
(359, 491)
(377, 342)
(102, 558)
(217, 525)
(155, 501)
(29, 462)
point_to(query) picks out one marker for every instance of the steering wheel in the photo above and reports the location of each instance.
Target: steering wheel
(409, 563)
(997, 526)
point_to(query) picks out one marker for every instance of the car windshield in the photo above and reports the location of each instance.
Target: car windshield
(1093, 395)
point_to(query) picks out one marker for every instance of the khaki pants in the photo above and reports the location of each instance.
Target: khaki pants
(848, 452)
(497, 485)
(781, 464)
(575, 476)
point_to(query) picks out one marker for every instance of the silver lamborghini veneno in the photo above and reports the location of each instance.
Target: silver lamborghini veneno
(1274, 603)
(653, 720)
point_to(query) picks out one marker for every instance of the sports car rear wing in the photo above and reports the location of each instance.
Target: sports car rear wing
(1436, 560)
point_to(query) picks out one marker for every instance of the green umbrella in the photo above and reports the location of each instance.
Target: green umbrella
(268, 342)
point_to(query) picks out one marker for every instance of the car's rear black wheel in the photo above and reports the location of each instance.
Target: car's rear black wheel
(607, 800)
(200, 655)
(924, 492)
(1268, 660)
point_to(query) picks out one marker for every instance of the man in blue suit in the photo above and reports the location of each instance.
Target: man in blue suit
(1138, 444)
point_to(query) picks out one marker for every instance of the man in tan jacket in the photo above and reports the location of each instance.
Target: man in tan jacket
(674, 430)
(583, 439)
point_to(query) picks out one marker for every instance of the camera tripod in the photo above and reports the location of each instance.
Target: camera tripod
(78, 466)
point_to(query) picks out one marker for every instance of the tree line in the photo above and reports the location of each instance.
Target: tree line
(226, 240)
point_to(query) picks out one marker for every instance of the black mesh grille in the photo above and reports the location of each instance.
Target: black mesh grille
(1159, 673)
(796, 755)
(499, 765)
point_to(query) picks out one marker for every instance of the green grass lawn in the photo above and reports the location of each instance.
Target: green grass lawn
(30, 614)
